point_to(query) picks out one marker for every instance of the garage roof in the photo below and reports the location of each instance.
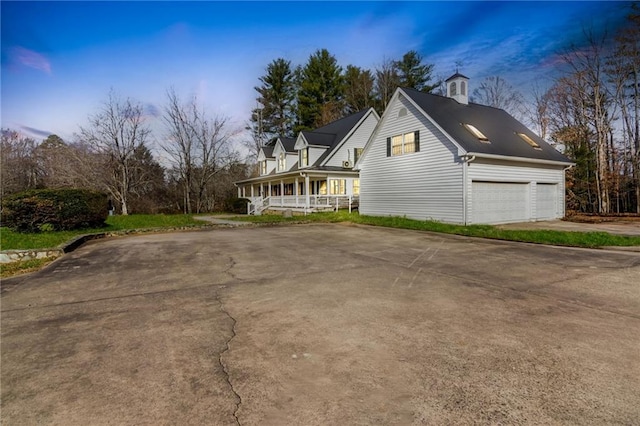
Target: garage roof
(499, 127)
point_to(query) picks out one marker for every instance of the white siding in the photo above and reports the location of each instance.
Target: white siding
(422, 185)
(315, 153)
(358, 139)
(482, 170)
(547, 196)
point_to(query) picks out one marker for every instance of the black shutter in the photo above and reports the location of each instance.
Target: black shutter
(388, 147)
(417, 140)
(355, 155)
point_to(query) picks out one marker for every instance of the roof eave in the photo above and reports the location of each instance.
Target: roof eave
(519, 159)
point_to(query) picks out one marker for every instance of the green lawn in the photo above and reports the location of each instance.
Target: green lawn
(561, 238)
(10, 240)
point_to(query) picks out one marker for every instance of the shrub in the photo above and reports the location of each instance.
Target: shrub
(237, 205)
(54, 209)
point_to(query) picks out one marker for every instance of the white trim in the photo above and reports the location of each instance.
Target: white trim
(518, 159)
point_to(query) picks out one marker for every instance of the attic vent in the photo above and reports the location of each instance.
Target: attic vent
(528, 140)
(477, 133)
(402, 112)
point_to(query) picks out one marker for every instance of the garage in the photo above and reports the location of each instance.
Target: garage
(500, 202)
(546, 201)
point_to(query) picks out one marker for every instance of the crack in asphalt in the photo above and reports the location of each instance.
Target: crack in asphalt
(221, 362)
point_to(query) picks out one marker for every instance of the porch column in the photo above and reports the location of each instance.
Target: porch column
(295, 191)
(270, 193)
(307, 191)
(239, 192)
(328, 192)
(252, 191)
(244, 192)
(281, 192)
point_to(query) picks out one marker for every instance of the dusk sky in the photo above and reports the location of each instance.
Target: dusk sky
(60, 59)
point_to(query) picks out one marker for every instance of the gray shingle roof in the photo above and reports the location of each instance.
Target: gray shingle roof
(268, 151)
(457, 74)
(496, 124)
(333, 133)
(288, 144)
(321, 139)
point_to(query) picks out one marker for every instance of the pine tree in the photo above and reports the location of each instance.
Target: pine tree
(414, 74)
(321, 91)
(276, 96)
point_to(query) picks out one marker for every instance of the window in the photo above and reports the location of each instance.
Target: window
(304, 157)
(357, 153)
(403, 144)
(356, 187)
(528, 140)
(402, 112)
(281, 161)
(463, 88)
(338, 186)
(475, 132)
(323, 187)
(263, 167)
(453, 89)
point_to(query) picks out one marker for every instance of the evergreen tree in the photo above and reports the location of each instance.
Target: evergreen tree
(321, 91)
(276, 96)
(358, 89)
(413, 73)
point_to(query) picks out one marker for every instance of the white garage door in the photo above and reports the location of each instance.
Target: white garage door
(546, 201)
(500, 202)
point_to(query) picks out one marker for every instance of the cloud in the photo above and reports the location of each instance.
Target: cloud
(32, 131)
(31, 59)
(151, 110)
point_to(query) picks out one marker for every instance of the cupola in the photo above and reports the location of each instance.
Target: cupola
(458, 88)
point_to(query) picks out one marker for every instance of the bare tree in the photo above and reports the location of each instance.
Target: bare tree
(494, 91)
(387, 80)
(199, 148)
(115, 132)
(623, 69)
(18, 167)
(587, 76)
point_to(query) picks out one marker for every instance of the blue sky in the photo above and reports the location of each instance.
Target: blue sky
(60, 59)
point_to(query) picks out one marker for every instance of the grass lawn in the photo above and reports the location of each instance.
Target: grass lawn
(560, 238)
(10, 240)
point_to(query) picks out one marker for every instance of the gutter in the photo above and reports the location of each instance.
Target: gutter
(520, 159)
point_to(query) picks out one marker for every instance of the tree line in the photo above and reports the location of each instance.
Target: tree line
(111, 153)
(303, 97)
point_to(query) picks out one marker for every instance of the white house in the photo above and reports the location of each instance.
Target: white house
(313, 171)
(446, 159)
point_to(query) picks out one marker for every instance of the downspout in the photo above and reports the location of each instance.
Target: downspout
(465, 186)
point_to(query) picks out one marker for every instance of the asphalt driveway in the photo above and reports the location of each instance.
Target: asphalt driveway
(323, 324)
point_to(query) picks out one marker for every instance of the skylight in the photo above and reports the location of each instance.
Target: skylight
(528, 140)
(475, 132)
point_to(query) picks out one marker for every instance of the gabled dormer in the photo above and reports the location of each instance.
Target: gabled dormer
(285, 155)
(458, 88)
(266, 160)
(308, 153)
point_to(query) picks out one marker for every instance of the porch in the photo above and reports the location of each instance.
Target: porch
(304, 192)
(302, 203)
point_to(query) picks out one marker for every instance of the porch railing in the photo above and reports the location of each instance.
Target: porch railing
(316, 202)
